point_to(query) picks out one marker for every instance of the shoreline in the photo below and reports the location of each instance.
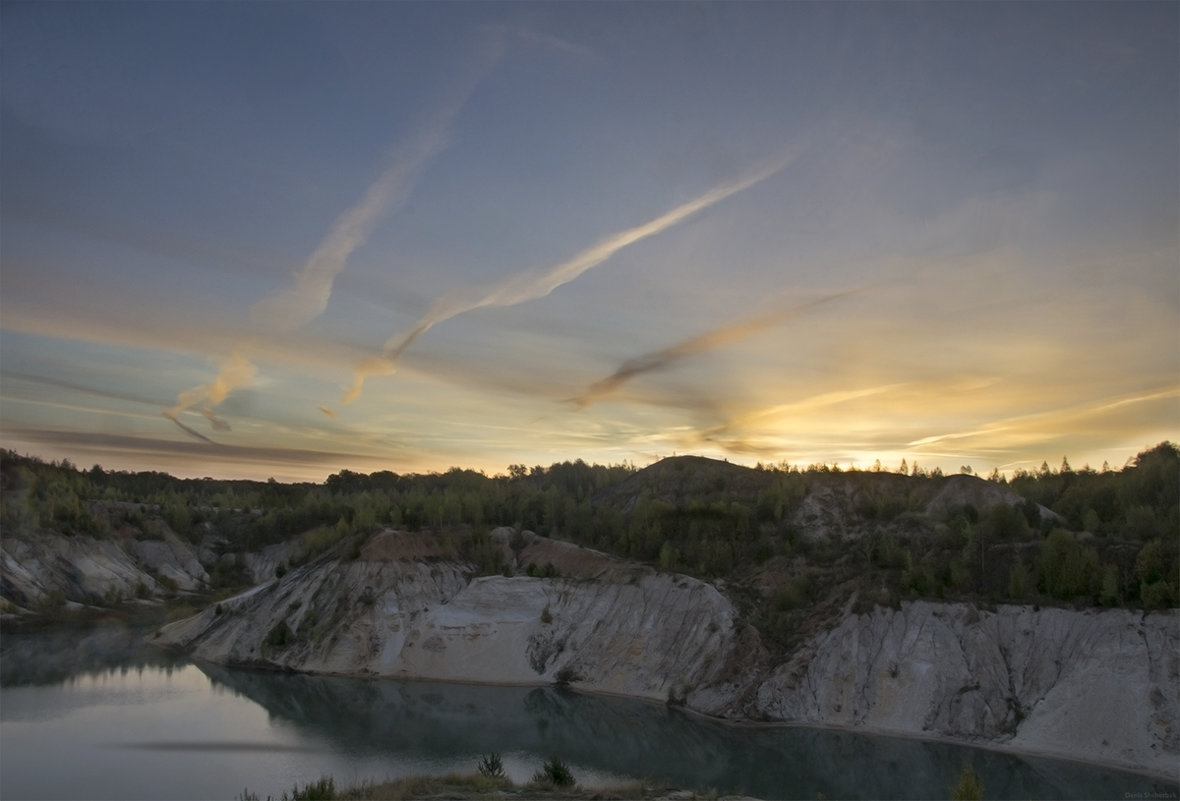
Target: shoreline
(872, 731)
(1144, 771)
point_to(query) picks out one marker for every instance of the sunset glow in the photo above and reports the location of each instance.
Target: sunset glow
(285, 239)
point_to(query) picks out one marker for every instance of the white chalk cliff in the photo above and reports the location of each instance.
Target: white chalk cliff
(83, 567)
(1093, 685)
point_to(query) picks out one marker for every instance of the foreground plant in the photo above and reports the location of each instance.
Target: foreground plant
(554, 773)
(491, 766)
(552, 781)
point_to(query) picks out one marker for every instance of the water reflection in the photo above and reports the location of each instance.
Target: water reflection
(59, 655)
(622, 736)
(136, 722)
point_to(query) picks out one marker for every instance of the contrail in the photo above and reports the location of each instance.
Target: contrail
(306, 299)
(710, 340)
(303, 301)
(529, 285)
(235, 371)
(191, 431)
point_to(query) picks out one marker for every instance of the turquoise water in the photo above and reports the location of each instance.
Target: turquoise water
(98, 715)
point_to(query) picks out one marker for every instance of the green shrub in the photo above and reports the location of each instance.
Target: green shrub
(567, 675)
(280, 635)
(1157, 595)
(323, 789)
(554, 773)
(792, 594)
(318, 540)
(491, 766)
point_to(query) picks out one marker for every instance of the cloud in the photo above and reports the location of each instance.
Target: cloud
(1126, 416)
(235, 371)
(192, 432)
(295, 306)
(710, 340)
(307, 298)
(548, 40)
(533, 284)
(72, 386)
(217, 423)
(110, 444)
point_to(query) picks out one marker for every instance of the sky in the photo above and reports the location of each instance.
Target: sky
(256, 240)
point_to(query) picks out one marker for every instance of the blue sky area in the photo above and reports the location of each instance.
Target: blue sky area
(284, 239)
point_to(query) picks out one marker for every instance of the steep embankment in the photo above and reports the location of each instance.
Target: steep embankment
(604, 625)
(1097, 685)
(37, 569)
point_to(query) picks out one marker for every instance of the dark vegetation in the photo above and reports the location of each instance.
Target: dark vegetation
(792, 546)
(552, 780)
(491, 766)
(554, 773)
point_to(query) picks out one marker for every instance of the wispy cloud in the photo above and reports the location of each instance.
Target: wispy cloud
(533, 284)
(101, 443)
(292, 307)
(235, 371)
(548, 40)
(308, 296)
(1119, 414)
(9, 376)
(192, 432)
(702, 343)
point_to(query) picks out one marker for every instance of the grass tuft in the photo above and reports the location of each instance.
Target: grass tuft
(552, 781)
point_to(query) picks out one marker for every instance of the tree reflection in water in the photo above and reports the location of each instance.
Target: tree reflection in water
(643, 740)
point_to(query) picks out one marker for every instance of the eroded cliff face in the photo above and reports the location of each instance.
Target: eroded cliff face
(81, 568)
(604, 625)
(1098, 685)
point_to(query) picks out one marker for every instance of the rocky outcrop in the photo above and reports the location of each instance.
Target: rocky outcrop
(263, 565)
(1100, 685)
(625, 629)
(842, 504)
(1095, 685)
(82, 568)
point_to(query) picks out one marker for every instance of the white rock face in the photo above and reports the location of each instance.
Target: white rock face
(641, 634)
(1099, 685)
(1094, 685)
(86, 567)
(172, 557)
(263, 564)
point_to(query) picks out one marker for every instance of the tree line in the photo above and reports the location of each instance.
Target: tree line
(1109, 536)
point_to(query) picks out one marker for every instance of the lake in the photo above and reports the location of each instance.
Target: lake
(98, 714)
